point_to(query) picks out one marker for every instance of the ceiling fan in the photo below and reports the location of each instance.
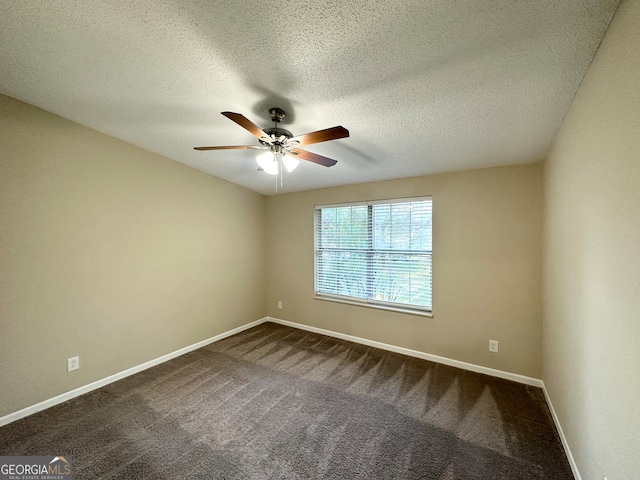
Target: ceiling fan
(281, 145)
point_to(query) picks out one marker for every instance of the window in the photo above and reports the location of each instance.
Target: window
(375, 253)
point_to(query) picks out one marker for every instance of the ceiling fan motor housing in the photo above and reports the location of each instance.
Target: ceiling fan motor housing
(279, 135)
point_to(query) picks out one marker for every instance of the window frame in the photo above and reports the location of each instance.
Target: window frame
(367, 302)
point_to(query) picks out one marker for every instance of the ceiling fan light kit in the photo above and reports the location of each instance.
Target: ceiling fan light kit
(281, 145)
(269, 162)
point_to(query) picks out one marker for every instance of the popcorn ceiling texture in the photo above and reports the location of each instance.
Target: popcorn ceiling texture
(423, 86)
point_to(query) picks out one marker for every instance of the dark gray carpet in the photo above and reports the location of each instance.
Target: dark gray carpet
(277, 402)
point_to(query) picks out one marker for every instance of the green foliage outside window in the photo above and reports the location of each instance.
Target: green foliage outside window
(378, 252)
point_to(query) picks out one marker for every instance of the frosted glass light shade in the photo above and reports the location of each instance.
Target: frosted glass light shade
(268, 163)
(290, 163)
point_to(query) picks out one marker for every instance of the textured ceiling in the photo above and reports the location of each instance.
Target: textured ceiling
(423, 86)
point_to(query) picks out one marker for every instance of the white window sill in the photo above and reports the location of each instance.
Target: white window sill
(409, 311)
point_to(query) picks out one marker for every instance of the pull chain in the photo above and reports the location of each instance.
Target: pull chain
(279, 172)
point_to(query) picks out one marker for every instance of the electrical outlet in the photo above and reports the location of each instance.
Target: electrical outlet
(279, 305)
(493, 346)
(73, 363)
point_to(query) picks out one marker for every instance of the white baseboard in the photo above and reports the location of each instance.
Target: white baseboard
(25, 412)
(415, 353)
(565, 444)
(453, 363)
(12, 417)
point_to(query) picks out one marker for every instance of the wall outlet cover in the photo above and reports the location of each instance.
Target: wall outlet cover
(73, 363)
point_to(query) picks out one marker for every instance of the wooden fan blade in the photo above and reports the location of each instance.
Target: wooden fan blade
(232, 147)
(327, 134)
(247, 124)
(313, 157)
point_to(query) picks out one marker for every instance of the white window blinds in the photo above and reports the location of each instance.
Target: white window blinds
(375, 252)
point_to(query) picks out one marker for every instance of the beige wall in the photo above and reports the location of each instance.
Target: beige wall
(112, 253)
(592, 261)
(486, 262)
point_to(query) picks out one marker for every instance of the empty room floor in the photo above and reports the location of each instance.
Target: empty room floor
(278, 402)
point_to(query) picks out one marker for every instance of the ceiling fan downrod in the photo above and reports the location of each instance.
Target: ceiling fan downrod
(276, 114)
